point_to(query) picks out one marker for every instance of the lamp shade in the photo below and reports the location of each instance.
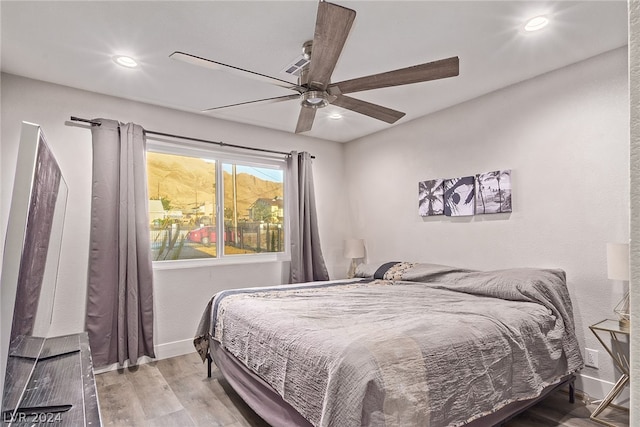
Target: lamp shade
(618, 261)
(354, 248)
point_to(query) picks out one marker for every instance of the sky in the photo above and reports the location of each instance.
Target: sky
(275, 175)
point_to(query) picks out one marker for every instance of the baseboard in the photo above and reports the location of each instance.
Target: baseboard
(597, 389)
(173, 349)
(163, 351)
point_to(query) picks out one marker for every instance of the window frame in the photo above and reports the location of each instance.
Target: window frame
(221, 157)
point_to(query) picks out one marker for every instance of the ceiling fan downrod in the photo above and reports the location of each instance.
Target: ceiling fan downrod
(306, 49)
(312, 98)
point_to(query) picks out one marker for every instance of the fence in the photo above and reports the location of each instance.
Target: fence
(248, 236)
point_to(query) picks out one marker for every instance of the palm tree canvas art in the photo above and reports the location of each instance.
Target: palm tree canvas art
(430, 197)
(493, 192)
(459, 196)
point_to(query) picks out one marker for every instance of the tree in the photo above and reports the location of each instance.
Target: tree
(261, 211)
(166, 203)
(228, 213)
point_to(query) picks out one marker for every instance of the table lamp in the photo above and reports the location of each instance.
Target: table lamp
(354, 249)
(618, 269)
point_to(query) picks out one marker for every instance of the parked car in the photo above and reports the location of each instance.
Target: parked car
(205, 235)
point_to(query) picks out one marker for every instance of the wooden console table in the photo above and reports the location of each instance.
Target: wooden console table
(61, 390)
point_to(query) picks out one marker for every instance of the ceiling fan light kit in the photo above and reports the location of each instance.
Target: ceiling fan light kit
(315, 99)
(314, 88)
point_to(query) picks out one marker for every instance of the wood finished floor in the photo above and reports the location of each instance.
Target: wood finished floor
(177, 392)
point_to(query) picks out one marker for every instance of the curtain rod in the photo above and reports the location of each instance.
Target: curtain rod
(188, 138)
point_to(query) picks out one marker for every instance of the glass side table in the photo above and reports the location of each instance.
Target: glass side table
(613, 330)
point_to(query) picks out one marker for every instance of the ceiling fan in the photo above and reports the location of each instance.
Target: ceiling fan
(314, 88)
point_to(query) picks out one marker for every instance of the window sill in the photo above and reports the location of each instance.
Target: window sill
(227, 260)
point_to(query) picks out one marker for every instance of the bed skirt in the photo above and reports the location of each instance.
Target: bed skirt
(259, 395)
(272, 408)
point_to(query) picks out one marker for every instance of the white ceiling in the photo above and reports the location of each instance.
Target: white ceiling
(71, 43)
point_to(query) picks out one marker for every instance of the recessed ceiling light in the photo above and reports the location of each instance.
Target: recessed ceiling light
(537, 23)
(125, 61)
(335, 116)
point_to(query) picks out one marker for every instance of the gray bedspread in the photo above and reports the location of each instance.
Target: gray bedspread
(427, 346)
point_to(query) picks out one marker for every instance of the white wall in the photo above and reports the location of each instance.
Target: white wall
(634, 81)
(565, 135)
(180, 295)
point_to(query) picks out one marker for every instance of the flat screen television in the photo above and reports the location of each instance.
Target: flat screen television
(30, 263)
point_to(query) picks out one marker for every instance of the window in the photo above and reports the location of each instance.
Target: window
(196, 196)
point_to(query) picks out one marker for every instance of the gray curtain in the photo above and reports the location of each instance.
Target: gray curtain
(120, 283)
(307, 262)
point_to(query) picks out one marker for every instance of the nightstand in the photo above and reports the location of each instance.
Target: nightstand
(613, 330)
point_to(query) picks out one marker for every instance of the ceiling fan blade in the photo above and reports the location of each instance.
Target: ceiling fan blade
(264, 101)
(368, 109)
(305, 119)
(435, 70)
(214, 65)
(333, 24)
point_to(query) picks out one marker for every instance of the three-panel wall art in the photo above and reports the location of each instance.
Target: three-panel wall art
(485, 193)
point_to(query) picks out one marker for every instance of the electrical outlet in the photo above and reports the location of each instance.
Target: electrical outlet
(591, 358)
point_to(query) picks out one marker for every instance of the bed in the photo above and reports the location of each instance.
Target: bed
(402, 344)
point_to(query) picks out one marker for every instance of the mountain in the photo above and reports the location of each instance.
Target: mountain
(189, 182)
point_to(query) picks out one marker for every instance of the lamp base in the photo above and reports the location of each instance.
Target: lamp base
(624, 324)
(352, 269)
(622, 310)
